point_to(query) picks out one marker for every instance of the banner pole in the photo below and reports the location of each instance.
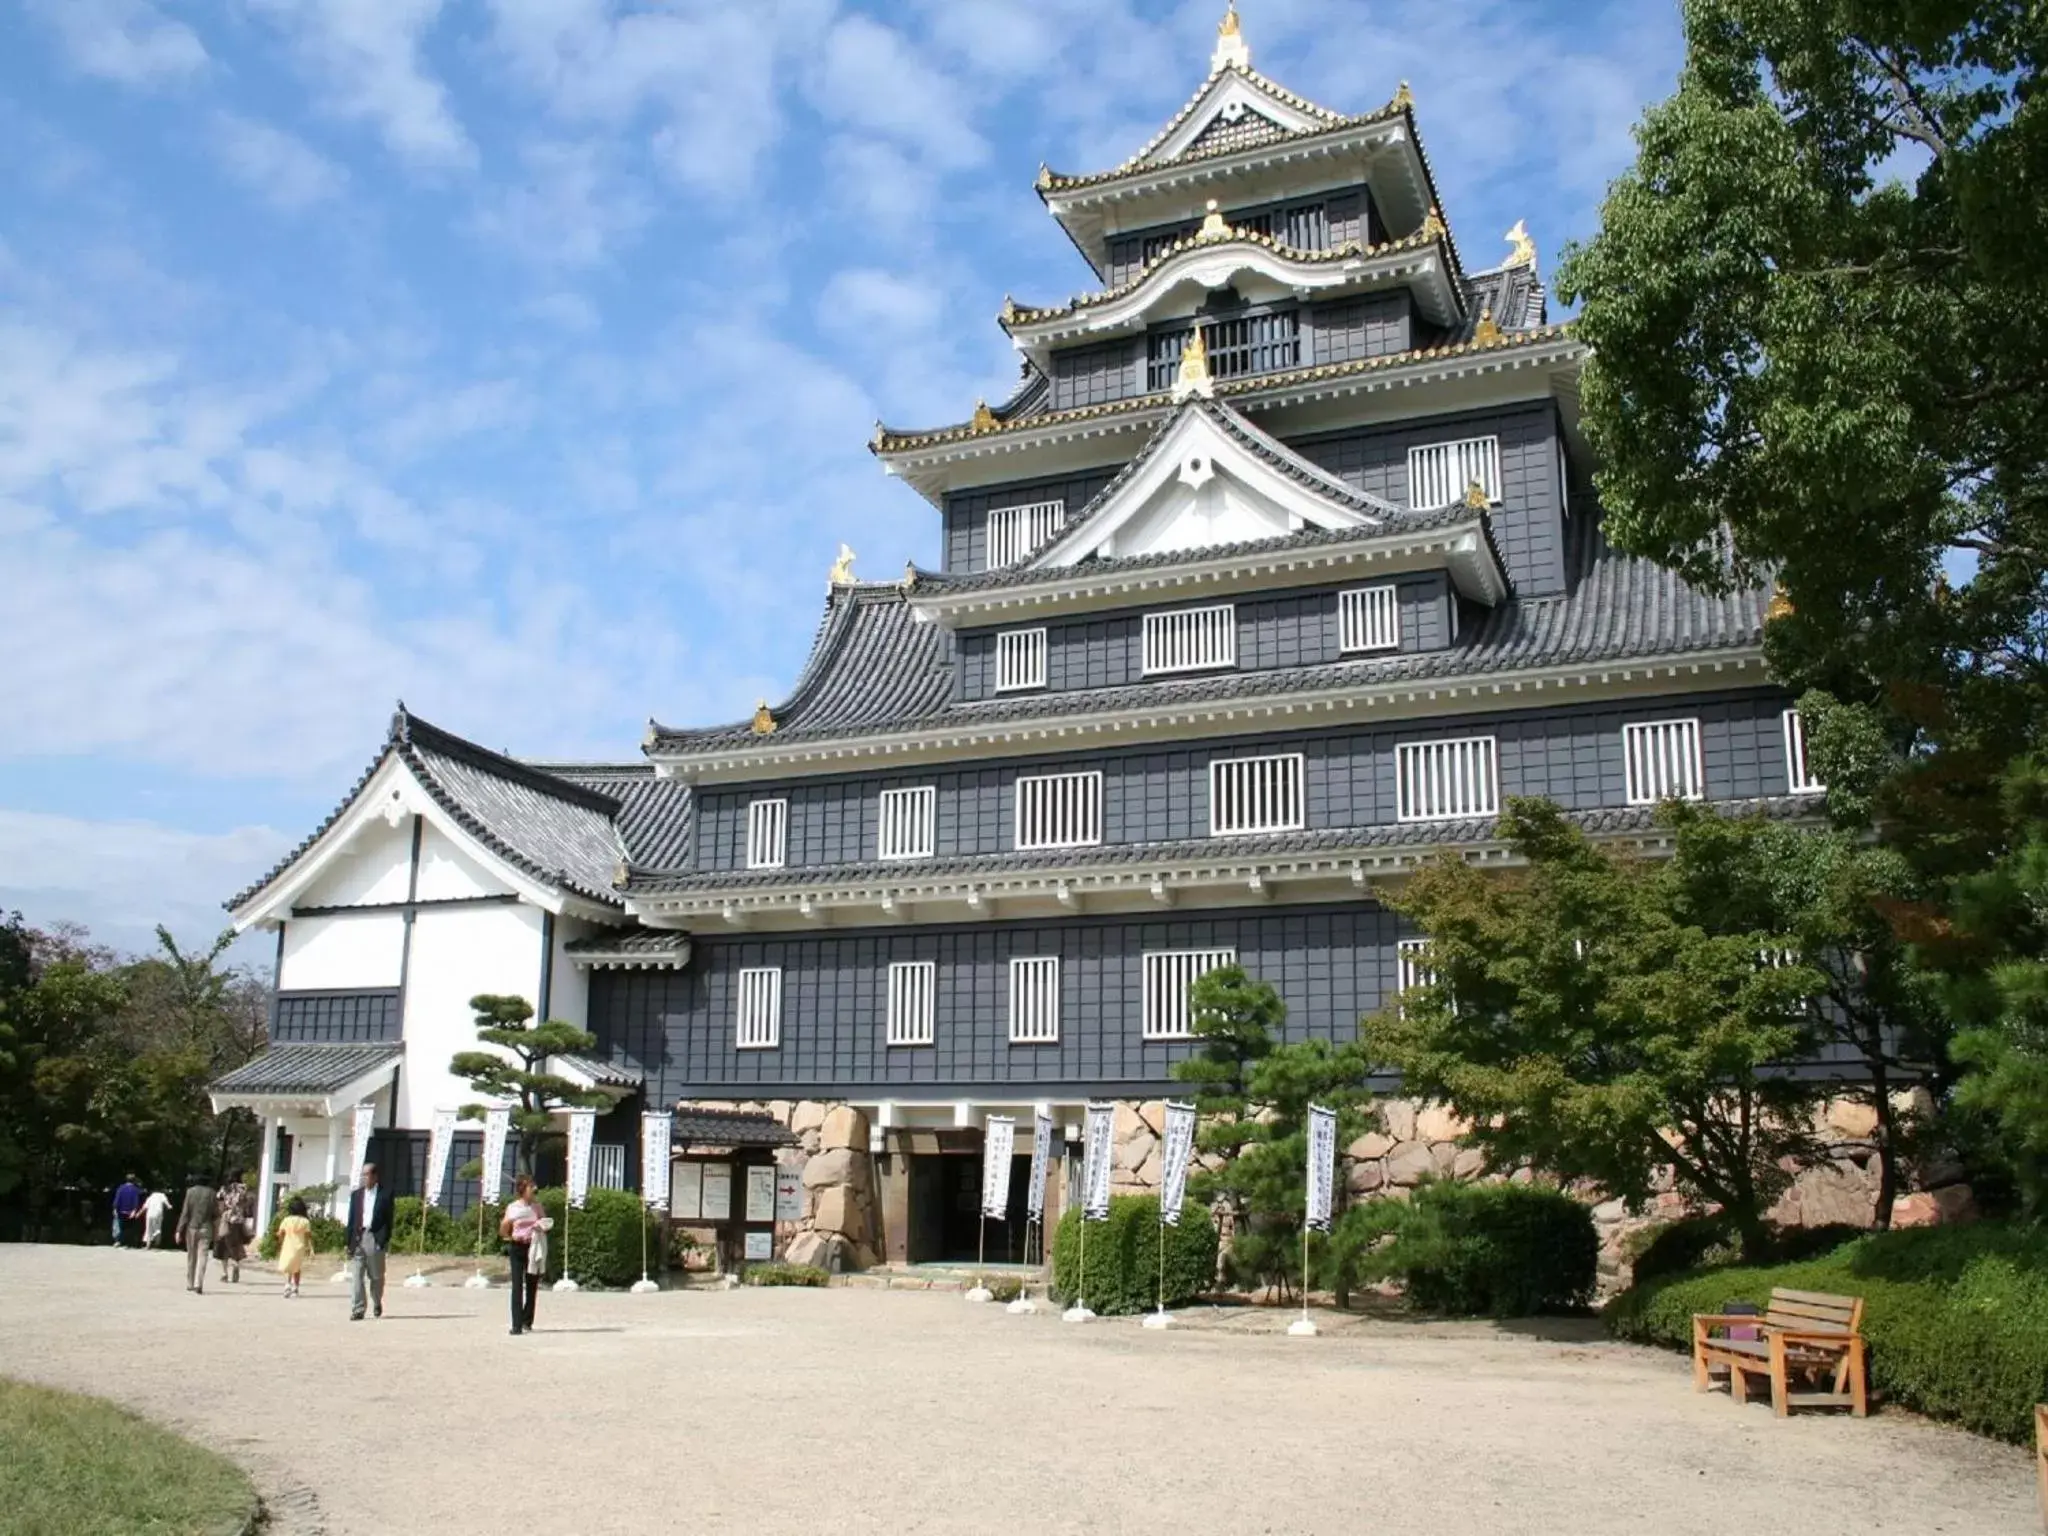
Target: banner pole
(1159, 1319)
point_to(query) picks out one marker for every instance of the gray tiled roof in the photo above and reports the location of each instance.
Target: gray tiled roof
(728, 1128)
(635, 940)
(552, 828)
(1514, 293)
(654, 813)
(606, 1074)
(1206, 849)
(307, 1069)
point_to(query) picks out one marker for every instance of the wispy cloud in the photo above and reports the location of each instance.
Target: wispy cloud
(129, 41)
(280, 167)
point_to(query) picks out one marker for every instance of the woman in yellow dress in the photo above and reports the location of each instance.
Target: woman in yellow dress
(294, 1244)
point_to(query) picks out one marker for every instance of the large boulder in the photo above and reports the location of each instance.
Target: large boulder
(840, 1211)
(1436, 1122)
(845, 1127)
(1371, 1144)
(1365, 1177)
(1398, 1115)
(1409, 1164)
(809, 1248)
(1852, 1118)
(841, 1165)
(807, 1116)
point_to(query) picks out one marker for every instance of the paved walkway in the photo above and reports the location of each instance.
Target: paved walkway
(856, 1411)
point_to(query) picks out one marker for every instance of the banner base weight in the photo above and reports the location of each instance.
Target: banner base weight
(643, 1285)
(979, 1293)
(1077, 1315)
(565, 1284)
(416, 1282)
(1021, 1307)
(1156, 1320)
(1301, 1328)
(476, 1282)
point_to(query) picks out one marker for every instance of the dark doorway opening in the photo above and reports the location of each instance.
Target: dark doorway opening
(945, 1211)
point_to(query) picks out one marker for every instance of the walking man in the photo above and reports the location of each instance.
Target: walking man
(128, 1213)
(195, 1231)
(369, 1235)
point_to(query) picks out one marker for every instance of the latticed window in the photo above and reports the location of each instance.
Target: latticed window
(1190, 639)
(1255, 794)
(1798, 774)
(1014, 532)
(1446, 780)
(1035, 1000)
(913, 992)
(759, 1023)
(1020, 659)
(1170, 977)
(1369, 619)
(767, 833)
(1059, 810)
(1411, 967)
(1440, 473)
(1662, 761)
(608, 1165)
(904, 827)
(1237, 348)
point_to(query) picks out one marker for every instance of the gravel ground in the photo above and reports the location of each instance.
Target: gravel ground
(867, 1410)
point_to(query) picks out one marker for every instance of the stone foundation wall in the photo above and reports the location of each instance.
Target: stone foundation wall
(840, 1229)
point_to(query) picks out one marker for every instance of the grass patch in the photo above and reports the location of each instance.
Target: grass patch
(76, 1466)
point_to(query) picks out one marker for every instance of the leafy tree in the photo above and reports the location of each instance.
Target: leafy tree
(517, 1074)
(1254, 1095)
(1583, 1026)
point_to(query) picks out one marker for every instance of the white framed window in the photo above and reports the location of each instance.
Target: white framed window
(1369, 619)
(758, 1025)
(608, 1165)
(903, 830)
(1411, 965)
(1170, 977)
(1440, 473)
(1059, 810)
(1446, 780)
(767, 833)
(1798, 774)
(1035, 1000)
(1191, 639)
(1256, 794)
(1014, 532)
(1662, 761)
(1020, 659)
(913, 994)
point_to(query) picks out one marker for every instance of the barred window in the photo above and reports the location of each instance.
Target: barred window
(1440, 473)
(1662, 759)
(1190, 639)
(904, 828)
(1255, 794)
(1014, 532)
(1020, 659)
(1446, 780)
(608, 1165)
(1170, 977)
(767, 833)
(1411, 968)
(1059, 810)
(1369, 619)
(1035, 1000)
(913, 991)
(759, 1024)
(1798, 773)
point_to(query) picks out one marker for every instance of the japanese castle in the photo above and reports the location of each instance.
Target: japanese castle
(1279, 569)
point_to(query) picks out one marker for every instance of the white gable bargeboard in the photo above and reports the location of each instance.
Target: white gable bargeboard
(1229, 97)
(1200, 488)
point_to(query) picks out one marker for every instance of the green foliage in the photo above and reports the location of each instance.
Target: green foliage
(1123, 1257)
(1956, 1317)
(1475, 1250)
(517, 1075)
(603, 1239)
(330, 1237)
(786, 1274)
(1699, 1242)
(1573, 1015)
(1254, 1095)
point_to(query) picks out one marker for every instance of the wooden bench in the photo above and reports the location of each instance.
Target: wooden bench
(1802, 1334)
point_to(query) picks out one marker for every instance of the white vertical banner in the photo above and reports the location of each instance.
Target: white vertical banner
(582, 1131)
(1041, 1155)
(497, 1126)
(1174, 1160)
(657, 1131)
(440, 1143)
(1322, 1165)
(998, 1147)
(1095, 1162)
(365, 1121)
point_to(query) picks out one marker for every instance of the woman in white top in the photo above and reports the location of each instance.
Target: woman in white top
(525, 1226)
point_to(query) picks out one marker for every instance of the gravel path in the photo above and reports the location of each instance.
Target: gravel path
(863, 1410)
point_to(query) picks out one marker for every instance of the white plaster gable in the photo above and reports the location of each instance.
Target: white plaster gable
(1229, 95)
(1201, 486)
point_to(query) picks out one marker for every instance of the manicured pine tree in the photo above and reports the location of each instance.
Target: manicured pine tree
(517, 1075)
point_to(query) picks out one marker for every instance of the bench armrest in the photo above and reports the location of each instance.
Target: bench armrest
(1726, 1320)
(1802, 1336)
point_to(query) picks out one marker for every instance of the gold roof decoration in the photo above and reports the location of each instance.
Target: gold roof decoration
(1009, 310)
(1476, 497)
(1044, 176)
(764, 722)
(984, 418)
(1781, 605)
(1213, 225)
(909, 574)
(1231, 48)
(1487, 331)
(841, 574)
(620, 875)
(1193, 378)
(1524, 253)
(1404, 99)
(1433, 227)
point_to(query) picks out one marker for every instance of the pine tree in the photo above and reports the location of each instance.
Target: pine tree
(517, 1075)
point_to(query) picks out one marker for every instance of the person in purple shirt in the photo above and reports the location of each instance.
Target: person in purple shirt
(128, 1213)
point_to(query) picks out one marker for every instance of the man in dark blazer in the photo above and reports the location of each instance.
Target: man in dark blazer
(369, 1236)
(195, 1230)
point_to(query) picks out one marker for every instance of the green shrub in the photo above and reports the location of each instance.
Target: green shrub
(1123, 1257)
(329, 1237)
(1956, 1317)
(1707, 1242)
(1477, 1250)
(445, 1234)
(785, 1274)
(603, 1238)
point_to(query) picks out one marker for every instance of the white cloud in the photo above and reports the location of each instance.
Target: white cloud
(129, 41)
(279, 166)
(870, 77)
(571, 208)
(366, 56)
(860, 299)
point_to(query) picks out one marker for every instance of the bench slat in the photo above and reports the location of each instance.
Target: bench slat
(1806, 1317)
(1821, 1298)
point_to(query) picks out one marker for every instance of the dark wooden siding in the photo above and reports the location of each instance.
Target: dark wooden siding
(1377, 325)
(335, 1017)
(966, 514)
(1096, 375)
(1319, 222)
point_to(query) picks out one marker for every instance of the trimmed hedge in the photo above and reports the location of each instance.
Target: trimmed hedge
(1123, 1257)
(329, 1237)
(1956, 1317)
(1476, 1250)
(604, 1237)
(786, 1274)
(1700, 1242)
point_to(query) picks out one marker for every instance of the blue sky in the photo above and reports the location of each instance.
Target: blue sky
(517, 357)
